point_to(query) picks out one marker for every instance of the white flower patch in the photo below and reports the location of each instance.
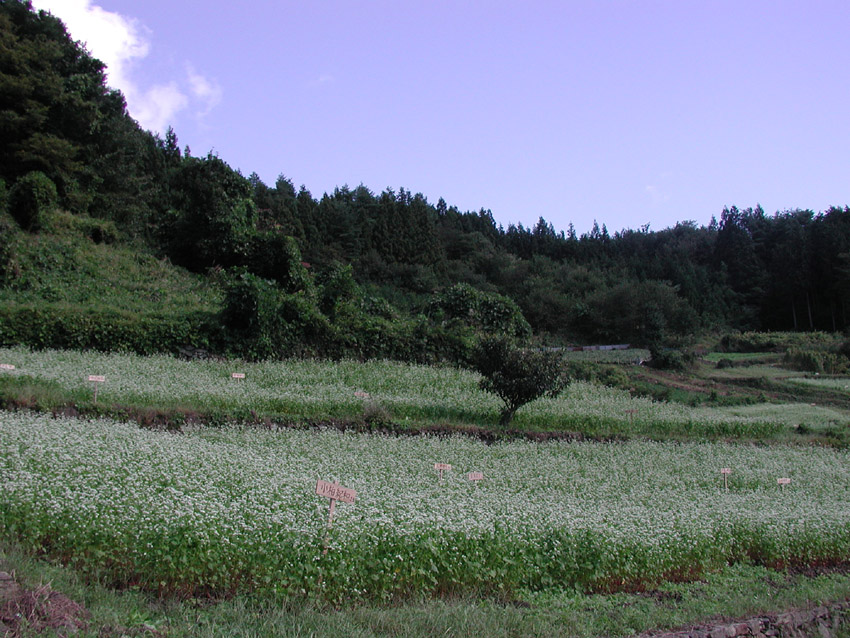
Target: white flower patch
(331, 389)
(249, 496)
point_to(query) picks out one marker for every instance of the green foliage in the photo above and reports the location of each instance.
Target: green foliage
(640, 312)
(31, 201)
(817, 361)
(488, 312)
(4, 196)
(275, 256)
(610, 375)
(263, 321)
(336, 287)
(670, 358)
(8, 265)
(517, 376)
(777, 341)
(59, 119)
(68, 326)
(214, 221)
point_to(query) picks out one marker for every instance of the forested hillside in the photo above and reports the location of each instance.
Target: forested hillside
(353, 272)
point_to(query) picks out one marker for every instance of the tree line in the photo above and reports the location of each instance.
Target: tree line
(353, 258)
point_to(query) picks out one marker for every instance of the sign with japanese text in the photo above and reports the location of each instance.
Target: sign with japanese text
(335, 491)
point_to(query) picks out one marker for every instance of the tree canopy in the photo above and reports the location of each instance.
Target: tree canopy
(373, 264)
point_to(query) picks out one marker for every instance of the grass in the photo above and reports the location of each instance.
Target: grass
(743, 357)
(628, 356)
(735, 592)
(837, 384)
(794, 415)
(66, 267)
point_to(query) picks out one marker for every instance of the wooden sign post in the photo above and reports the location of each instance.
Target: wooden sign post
(237, 375)
(335, 492)
(631, 414)
(726, 471)
(96, 378)
(441, 467)
(783, 482)
(6, 366)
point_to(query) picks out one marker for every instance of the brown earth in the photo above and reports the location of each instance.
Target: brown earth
(34, 610)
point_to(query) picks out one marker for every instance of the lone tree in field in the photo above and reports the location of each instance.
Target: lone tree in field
(517, 376)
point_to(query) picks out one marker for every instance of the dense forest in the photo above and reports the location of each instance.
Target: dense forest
(389, 273)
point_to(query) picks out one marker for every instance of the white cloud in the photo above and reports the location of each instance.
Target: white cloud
(157, 107)
(120, 42)
(207, 91)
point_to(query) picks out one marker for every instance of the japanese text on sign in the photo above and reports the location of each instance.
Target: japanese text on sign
(97, 378)
(334, 491)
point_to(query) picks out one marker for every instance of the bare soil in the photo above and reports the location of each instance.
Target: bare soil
(34, 610)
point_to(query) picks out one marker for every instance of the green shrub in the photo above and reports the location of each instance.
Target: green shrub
(75, 328)
(609, 375)
(670, 358)
(491, 313)
(8, 265)
(336, 286)
(264, 322)
(32, 198)
(273, 255)
(4, 196)
(775, 341)
(517, 376)
(815, 361)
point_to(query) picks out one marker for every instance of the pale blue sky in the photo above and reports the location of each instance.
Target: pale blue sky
(625, 112)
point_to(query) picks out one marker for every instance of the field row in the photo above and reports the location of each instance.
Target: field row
(346, 389)
(235, 509)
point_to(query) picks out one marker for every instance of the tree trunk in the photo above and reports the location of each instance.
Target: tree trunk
(507, 416)
(809, 308)
(832, 312)
(794, 313)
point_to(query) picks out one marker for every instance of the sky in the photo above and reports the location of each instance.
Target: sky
(624, 112)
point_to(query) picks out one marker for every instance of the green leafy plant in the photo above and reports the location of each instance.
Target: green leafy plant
(515, 375)
(31, 199)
